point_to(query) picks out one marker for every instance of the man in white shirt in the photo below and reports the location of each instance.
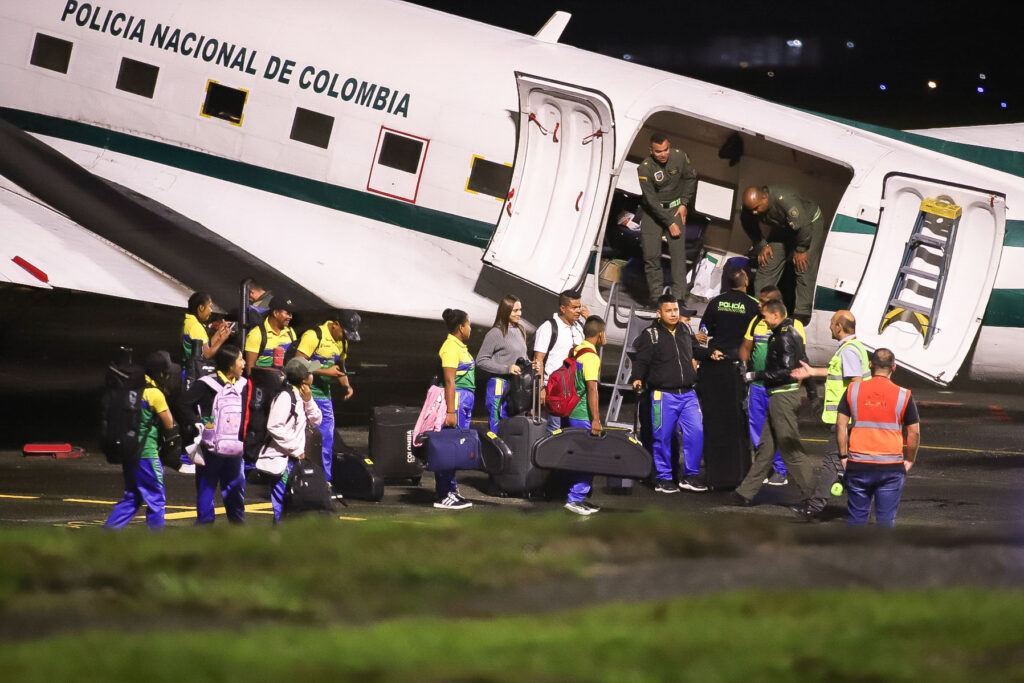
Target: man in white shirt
(556, 337)
(286, 427)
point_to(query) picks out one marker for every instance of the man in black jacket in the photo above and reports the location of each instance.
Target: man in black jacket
(665, 361)
(785, 351)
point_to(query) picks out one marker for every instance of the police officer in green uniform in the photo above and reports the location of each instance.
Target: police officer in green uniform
(796, 229)
(669, 184)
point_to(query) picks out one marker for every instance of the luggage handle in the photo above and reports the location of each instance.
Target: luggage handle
(537, 419)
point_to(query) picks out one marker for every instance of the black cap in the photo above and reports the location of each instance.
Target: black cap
(280, 302)
(157, 363)
(350, 322)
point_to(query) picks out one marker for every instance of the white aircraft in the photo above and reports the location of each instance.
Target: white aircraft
(386, 157)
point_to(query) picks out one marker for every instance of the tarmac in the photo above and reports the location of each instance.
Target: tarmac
(969, 476)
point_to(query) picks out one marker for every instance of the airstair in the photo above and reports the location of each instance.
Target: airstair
(622, 307)
(917, 291)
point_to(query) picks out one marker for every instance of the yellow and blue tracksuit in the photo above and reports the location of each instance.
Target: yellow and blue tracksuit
(454, 354)
(144, 476)
(588, 369)
(328, 353)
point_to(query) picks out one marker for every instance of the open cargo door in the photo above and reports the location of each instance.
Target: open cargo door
(931, 270)
(561, 181)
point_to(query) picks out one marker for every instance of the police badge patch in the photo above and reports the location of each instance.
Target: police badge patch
(659, 176)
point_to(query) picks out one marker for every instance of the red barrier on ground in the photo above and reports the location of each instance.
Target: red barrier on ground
(53, 450)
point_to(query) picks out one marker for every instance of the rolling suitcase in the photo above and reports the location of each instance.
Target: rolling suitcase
(520, 432)
(726, 441)
(452, 449)
(615, 453)
(391, 446)
(355, 476)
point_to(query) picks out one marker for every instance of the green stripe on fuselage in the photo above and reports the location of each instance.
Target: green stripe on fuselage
(1005, 306)
(999, 159)
(360, 203)
(847, 224)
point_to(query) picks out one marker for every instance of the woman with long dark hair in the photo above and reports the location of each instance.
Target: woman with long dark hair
(504, 344)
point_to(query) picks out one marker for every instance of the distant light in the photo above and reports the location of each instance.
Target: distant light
(795, 42)
(1003, 105)
(981, 76)
(881, 86)
(981, 89)
(771, 74)
(627, 57)
(744, 64)
(850, 44)
(933, 85)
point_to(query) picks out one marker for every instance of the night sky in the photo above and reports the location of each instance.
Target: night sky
(847, 51)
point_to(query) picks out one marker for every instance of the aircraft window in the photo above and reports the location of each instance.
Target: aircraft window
(223, 102)
(137, 77)
(51, 53)
(312, 127)
(490, 178)
(400, 152)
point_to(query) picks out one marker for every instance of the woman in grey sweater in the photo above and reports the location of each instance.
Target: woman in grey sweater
(504, 344)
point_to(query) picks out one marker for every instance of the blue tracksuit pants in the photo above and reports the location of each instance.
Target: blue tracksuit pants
(278, 490)
(757, 413)
(444, 481)
(670, 412)
(227, 473)
(327, 433)
(581, 481)
(143, 483)
(494, 401)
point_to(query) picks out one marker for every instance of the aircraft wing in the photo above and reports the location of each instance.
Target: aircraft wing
(42, 248)
(84, 232)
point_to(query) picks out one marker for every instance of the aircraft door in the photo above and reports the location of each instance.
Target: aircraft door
(930, 273)
(562, 176)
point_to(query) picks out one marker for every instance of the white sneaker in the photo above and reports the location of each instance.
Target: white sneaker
(187, 469)
(453, 501)
(581, 508)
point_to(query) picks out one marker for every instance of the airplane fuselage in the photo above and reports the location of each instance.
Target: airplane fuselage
(393, 158)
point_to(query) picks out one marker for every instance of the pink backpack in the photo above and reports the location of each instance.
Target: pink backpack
(432, 415)
(223, 435)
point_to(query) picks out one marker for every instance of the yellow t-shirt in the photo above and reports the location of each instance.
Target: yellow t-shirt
(588, 369)
(265, 358)
(454, 354)
(192, 331)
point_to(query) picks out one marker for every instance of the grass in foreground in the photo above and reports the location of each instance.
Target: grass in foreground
(955, 635)
(320, 570)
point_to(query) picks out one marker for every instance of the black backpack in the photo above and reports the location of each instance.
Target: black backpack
(264, 384)
(121, 409)
(519, 398)
(307, 488)
(197, 365)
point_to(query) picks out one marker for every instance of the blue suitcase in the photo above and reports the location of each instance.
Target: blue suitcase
(452, 449)
(615, 453)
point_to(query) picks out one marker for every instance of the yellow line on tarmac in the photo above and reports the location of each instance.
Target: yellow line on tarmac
(19, 497)
(257, 508)
(352, 519)
(92, 502)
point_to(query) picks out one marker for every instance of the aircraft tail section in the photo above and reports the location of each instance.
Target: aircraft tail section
(180, 247)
